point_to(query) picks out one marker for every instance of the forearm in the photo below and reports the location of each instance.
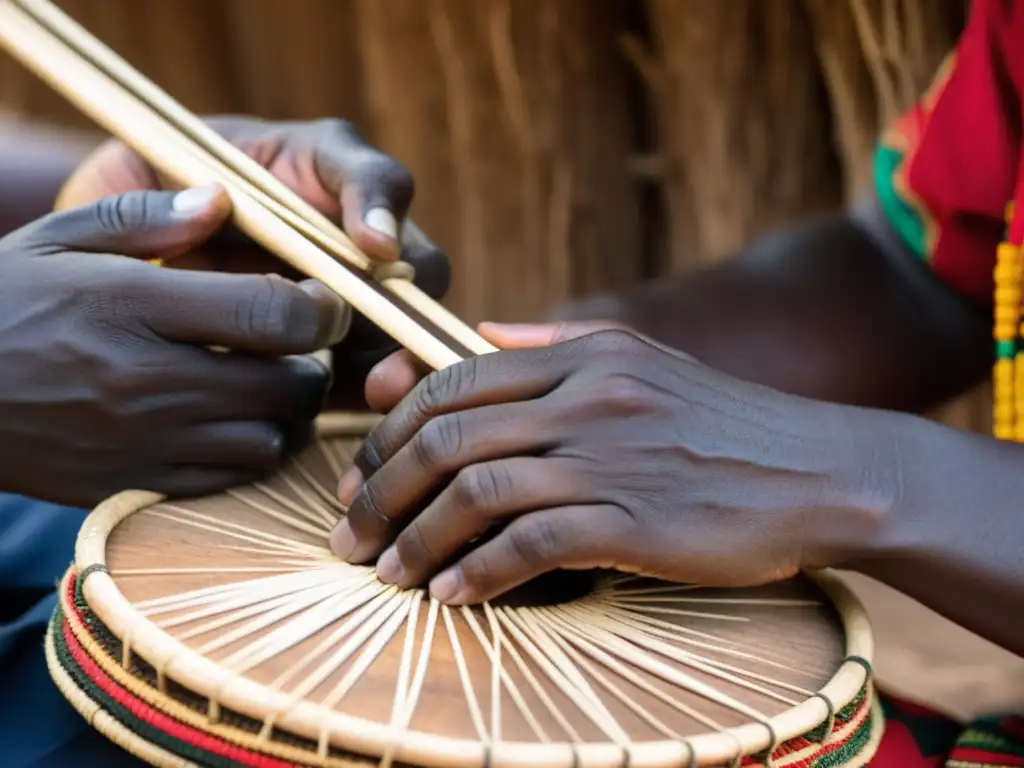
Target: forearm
(833, 309)
(954, 536)
(35, 162)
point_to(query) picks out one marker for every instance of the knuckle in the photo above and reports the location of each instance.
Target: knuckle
(436, 392)
(367, 515)
(481, 487)
(113, 300)
(274, 311)
(390, 174)
(535, 541)
(613, 339)
(437, 442)
(371, 500)
(337, 128)
(371, 457)
(412, 546)
(342, 145)
(621, 394)
(126, 390)
(122, 213)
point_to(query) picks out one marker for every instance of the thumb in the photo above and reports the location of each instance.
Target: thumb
(515, 336)
(145, 224)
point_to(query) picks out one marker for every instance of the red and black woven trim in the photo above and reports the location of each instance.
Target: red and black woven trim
(995, 742)
(180, 739)
(143, 720)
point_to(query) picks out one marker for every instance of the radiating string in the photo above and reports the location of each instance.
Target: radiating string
(608, 646)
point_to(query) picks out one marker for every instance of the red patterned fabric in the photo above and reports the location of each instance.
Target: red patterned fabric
(946, 171)
(919, 738)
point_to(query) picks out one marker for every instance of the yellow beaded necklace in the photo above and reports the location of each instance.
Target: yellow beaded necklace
(1008, 372)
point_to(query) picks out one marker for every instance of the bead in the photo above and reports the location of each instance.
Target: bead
(1005, 331)
(1010, 314)
(1008, 296)
(1006, 276)
(1007, 251)
(1008, 370)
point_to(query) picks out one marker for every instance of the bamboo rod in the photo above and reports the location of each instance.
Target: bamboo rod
(67, 61)
(289, 205)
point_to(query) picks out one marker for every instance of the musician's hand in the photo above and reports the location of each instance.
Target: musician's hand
(328, 164)
(107, 381)
(606, 450)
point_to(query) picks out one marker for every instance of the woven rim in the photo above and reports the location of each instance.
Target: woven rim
(852, 740)
(103, 722)
(161, 701)
(313, 721)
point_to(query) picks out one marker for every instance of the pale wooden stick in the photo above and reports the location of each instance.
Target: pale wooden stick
(283, 201)
(174, 154)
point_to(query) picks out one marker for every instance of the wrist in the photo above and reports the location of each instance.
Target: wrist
(858, 518)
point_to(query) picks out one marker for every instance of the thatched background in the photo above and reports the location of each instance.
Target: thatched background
(560, 147)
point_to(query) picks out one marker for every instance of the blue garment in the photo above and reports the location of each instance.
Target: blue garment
(38, 728)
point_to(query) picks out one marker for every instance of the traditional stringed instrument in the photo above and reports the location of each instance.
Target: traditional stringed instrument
(221, 631)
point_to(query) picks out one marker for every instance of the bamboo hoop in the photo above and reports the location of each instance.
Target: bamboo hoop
(169, 706)
(186, 666)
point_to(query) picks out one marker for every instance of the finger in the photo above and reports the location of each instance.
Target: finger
(441, 449)
(334, 169)
(284, 149)
(392, 379)
(512, 336)
(143, 224)
(289, 391)
(432, 271)
(262, 314)
(112, 169)
(195, 481)
(507, 377)
(479, 497)
(566, 537)
(249, 445)
(375, 190)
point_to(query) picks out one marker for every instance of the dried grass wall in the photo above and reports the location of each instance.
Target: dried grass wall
(560, 146)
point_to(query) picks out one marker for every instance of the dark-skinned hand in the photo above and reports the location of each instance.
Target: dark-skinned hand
(106, 378)
(578, 447)
(106, 381)
(332, 167)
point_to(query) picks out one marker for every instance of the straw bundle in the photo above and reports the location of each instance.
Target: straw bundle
(514, 118)
(739, 101)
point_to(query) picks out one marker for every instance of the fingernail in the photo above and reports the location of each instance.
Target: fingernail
(383, 222)
(389, 567)
(192, 201)
(447, 586)
(349, 485)
(343, 541)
